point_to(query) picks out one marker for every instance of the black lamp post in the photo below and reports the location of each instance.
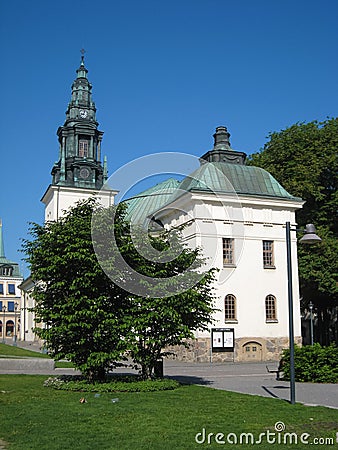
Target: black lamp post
(4, 324)
(15, 311)
(311, 321)
(309, 237)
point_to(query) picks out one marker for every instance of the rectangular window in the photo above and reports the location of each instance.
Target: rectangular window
(268, 255)
(83, 148)
(6, 271)
(10, 306)
(1, 289)
(0, 305)
(11, 289)
(228, 252)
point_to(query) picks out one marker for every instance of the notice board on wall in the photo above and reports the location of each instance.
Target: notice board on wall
(222, 339)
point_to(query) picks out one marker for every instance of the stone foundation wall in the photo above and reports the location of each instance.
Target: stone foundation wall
(248, 349)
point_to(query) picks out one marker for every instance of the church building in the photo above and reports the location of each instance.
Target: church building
(236, 213)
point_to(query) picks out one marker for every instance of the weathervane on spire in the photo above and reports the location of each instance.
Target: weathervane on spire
(82, 51)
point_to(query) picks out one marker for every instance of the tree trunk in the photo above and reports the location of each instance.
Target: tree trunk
(96, 375)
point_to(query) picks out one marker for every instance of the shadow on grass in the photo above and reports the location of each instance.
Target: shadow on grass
(191, 380)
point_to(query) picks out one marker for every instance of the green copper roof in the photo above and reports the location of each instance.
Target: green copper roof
(151, 200)
(217, 177)
(222, 177)
(222, 171)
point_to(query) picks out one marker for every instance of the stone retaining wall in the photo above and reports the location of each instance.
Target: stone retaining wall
(266, 349)
(37, 364)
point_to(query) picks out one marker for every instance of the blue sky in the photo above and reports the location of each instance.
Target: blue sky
(164, 75)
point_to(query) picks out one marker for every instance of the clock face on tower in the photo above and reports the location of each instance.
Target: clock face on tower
(83, 113)
(84, 173)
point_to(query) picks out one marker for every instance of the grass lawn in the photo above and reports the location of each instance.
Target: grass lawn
(35, 417)
(17, 352)
(10, 350)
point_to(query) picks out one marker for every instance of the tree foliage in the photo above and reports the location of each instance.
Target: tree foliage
(91, 319)
(304, 159)
(313, 363)
(318, 270)
(77, 305)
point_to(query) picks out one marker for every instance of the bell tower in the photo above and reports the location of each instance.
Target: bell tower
(79, 161)
(78, 173)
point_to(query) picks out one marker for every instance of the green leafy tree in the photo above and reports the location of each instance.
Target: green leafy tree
(77, 305)
(94, 319)
(304, 159)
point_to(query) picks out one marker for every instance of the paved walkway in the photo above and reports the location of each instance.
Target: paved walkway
(251, 378)
(246, 378)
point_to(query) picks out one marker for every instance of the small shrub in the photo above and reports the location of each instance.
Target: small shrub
(313, 363)
(114, 384)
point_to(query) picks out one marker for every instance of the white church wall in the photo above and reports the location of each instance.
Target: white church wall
(59, 199)
(249, 221)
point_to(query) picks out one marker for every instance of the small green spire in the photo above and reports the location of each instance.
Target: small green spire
(2, 247)
(63, 165)
(105, 169)
(82, 71)
(82, 51)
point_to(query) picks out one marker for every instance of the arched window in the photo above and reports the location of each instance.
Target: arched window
(9, 328)
(230, 308)
(270, 308)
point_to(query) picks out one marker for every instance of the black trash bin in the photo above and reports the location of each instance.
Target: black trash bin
(158, 368)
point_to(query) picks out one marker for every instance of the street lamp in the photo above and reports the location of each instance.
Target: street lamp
(311, 321)
(4, 324)
(15, 311)
(309, 237)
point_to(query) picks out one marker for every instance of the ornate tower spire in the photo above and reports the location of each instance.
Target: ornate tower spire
(7, 268)
(79, 162)
(2, 247)
(78, 174)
